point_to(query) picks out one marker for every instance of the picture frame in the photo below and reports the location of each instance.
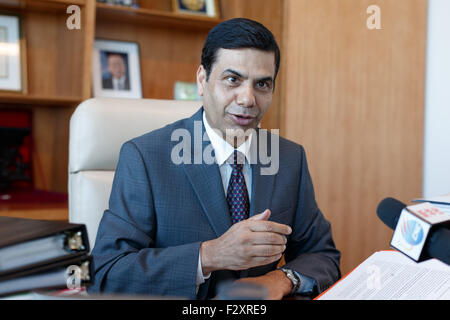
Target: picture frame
(208, 8)
(12, 54)
(186, 91)
(116, 69)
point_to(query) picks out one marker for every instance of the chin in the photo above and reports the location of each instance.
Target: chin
(238, 131)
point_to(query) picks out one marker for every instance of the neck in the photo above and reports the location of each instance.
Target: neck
(236, 141)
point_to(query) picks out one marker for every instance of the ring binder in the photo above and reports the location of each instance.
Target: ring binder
(27, 243)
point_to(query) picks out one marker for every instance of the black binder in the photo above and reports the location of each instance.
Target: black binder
(27, 244)
(57, 275)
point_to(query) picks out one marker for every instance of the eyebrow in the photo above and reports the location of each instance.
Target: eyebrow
(245, 77)
(234, 72)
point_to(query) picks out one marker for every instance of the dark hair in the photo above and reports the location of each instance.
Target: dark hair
(110, 54)
(235, 34)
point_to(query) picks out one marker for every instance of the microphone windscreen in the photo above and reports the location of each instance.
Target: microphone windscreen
(438, 245)
(389, 211)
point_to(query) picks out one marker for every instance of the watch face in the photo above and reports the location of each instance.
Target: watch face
(293, 278)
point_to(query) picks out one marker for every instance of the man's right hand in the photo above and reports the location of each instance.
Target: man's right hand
(247, 244)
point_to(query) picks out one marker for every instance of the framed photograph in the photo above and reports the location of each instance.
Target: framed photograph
(208, 8)
(11, 53)
(116, 70)
(186, 91)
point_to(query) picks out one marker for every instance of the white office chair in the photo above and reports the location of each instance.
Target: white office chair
(98, 128)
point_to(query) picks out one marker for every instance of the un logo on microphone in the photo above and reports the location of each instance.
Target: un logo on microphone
(412, 232)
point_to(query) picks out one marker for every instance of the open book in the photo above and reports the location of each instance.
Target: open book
(390, 275)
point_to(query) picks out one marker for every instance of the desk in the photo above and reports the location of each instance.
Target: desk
(42, 211)
(34, 204)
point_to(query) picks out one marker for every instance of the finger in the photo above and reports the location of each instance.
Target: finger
(260, 261)
(270, 238)
(267, 250)
(269, 226)
(256, 262)
(262, 216)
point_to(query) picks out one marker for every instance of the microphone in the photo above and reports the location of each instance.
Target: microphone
(389, 211)
(419, 230)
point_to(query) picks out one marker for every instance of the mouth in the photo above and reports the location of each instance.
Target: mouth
(242, 119)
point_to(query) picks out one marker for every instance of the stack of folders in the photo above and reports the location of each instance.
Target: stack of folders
(440, 202)
(39, 254)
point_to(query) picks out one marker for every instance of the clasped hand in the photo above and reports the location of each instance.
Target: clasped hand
(247, 244)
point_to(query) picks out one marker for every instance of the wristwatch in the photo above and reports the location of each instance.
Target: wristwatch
(294, 279)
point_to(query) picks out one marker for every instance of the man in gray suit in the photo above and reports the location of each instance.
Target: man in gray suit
(179, 226)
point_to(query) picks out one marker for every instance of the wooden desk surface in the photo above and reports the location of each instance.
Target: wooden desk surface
(34, 204)
(46, 211)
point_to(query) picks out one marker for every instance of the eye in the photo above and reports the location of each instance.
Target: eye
(263, 85)
(232, 79)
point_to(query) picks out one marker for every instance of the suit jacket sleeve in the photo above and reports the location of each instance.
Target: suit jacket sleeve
(311, 250)
(125, 258)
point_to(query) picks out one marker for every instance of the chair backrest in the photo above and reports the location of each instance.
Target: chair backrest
(98, 128)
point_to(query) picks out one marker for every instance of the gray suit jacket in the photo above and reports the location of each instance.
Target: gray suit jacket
(159, 213)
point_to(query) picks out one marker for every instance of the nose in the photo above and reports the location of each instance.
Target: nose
(246, 97)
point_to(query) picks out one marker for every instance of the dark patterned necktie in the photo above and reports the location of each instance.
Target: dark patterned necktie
(237, 194)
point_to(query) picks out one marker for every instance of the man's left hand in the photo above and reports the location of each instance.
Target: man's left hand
(276, 283)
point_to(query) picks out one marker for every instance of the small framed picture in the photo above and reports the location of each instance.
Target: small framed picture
(208, 8)
(186, 91)
(11, 54)
(116, 70)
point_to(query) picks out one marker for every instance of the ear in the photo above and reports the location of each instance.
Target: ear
(201, 80)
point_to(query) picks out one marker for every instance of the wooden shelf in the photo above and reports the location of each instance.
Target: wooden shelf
(52, 212)
(49, 6)
(152, 16)
(19, 98)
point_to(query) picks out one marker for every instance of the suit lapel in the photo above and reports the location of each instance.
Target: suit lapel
(207, 182)
(262, 185)
(262, 189)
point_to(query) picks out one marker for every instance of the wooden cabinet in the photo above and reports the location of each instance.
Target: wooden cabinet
(59, 61)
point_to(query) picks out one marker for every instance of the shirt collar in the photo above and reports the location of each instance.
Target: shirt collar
(120, 80)
(222, 149)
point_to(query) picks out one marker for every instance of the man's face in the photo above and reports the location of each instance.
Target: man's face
(116, 66)
(239, 90)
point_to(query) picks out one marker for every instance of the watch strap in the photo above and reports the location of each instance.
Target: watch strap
(291, 275)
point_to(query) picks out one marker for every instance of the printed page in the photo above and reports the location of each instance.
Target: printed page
(390, 275)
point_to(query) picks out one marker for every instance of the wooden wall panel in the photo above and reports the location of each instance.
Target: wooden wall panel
(51, 147)
(354, 98)
(53, 60)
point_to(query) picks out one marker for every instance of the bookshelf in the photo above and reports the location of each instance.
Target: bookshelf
(153, 17)
(58, 62)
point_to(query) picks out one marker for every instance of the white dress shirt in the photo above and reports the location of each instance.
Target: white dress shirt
(222, 151)
(119, 84)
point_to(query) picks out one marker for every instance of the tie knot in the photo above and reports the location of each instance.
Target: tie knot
(237, 160)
